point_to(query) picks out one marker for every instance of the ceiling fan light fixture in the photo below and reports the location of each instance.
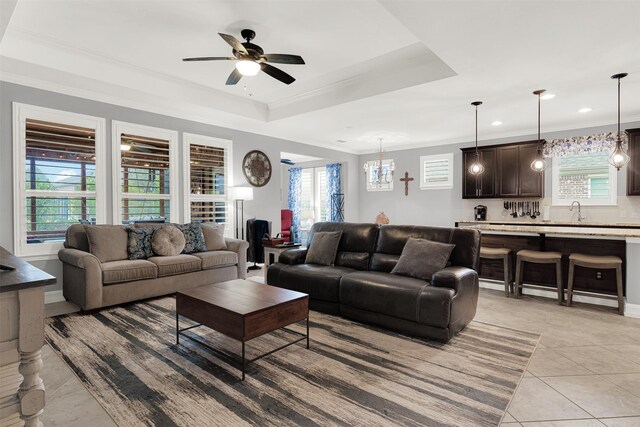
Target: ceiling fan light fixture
(247, 67)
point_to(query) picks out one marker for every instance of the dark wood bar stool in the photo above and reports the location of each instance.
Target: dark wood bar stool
(538, 257)
(601, 263)
(503, 254)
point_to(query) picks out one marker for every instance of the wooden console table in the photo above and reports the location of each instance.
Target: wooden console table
(21, 341)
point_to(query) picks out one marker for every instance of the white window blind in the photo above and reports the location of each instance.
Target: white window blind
(436, 171)
(307, 208)
(208, 183)
(322, 212)
(587, 178)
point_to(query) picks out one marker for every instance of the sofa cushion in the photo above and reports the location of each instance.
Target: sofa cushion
(355, 237)
(139, 242)
(421, 258)
(321, 282)
(194, 239)
(177, 264)
(167, 241)
(214, 236)
(128, 270)
(384, 293)
(357, 260)
(107, 242)
(215, 259)
(76, 238)
(324, 248)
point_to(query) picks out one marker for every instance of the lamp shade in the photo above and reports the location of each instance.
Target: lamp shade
(241, 193)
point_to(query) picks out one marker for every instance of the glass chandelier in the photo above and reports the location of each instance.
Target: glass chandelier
(378, 170)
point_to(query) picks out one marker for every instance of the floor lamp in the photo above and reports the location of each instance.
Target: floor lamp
(239, 195)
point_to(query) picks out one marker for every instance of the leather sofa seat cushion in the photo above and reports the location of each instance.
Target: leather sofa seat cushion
(177, 264)
(383, 293)
(128, 270)
(216, 259)
(321, 282)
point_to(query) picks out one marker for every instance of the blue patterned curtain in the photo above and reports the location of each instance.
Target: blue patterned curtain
(333, 187)
(295, 201)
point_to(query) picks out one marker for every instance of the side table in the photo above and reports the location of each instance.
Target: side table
(272, 253)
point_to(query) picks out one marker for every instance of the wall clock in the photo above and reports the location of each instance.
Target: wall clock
(256, 168)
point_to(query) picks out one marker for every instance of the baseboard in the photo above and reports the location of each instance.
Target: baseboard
(499, 286)
(632, 310)
(53, 296)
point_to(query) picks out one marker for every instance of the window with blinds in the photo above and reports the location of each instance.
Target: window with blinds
(436, 171)
(587, 178)
(60, 179)
(208, 173)
(314, 196)
(145, 179)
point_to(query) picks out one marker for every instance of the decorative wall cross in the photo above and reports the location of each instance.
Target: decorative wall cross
(406, 180)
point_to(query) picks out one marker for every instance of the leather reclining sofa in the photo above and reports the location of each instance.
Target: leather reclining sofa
(360, 285)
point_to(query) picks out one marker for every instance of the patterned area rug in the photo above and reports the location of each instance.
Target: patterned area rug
(353, 375)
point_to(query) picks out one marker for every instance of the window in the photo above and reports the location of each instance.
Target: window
(379, 181)
(587, 178)
(59, 178)
(145, 177)
(314, 197)
(206, 177)
(436, 172)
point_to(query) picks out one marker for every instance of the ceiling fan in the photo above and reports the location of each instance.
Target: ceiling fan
(251, 59)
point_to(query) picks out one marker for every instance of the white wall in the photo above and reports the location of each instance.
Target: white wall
(445, 207)
(265, 204)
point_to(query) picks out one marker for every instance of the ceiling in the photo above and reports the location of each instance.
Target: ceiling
(405, 71)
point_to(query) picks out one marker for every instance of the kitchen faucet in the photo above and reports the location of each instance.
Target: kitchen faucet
(580, 217)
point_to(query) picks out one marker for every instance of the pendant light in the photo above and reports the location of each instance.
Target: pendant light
(476, 167)
(619, 158)
(539, 165)
(378, 167)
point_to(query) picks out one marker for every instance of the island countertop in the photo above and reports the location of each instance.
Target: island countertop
(621, 230)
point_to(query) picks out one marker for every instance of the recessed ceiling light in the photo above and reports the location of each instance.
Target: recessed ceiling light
(342, 141)
(548, 96)
(496, 123)
(584, 110)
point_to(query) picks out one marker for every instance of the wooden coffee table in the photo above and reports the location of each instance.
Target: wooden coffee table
(242, 310)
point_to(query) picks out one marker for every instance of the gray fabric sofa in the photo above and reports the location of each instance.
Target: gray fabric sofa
(92, 284)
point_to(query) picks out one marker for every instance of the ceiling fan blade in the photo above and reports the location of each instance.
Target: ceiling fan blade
(210, 58)
(235, 43)
(234, 77)
(283, 58)
(277, 73)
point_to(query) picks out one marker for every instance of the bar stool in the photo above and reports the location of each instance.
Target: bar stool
(503, 254)
(598, 262)
(538, 258)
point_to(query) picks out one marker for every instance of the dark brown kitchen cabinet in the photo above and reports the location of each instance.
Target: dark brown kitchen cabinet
(507, 174)
(482, 186)
(633, 168)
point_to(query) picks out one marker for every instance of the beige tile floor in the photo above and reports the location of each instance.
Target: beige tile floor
(584, 373)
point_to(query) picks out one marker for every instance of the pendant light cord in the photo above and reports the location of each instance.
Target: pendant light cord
(619, 138)
(539, 147)
(477, 130)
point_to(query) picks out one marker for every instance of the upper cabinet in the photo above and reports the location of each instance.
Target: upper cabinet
(507, 173)
(633, 168)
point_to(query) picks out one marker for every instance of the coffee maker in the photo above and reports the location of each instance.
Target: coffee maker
(480, 213)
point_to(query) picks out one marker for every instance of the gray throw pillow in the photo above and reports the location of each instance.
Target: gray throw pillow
(167, 241)
(323, 248)
(214, 236)
(422, 258)
(107, 242)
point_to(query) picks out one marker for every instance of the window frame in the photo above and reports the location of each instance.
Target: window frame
(370, 187)
(448, 185)
(187, 140)
(22, 112)
(117, 129)
(612, 200)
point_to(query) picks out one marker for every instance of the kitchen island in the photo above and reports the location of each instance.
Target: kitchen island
(619, 239)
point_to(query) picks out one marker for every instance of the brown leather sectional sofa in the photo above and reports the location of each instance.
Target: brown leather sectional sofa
(360, 284)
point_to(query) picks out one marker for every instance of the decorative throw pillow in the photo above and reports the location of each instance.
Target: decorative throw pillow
(107, 242)
(194, 239)
(323, 248)
(213, 236)
(422, 258)
(167, 241)
(139, 242)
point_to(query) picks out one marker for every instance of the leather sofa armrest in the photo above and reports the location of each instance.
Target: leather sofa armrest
(240, 247)
(455, 278)
(77, 258)
(293, 256)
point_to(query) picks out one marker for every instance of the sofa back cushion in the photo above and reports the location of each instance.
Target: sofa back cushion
(356, 245)
(392, 238)
(76, 238)
(107, 242)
